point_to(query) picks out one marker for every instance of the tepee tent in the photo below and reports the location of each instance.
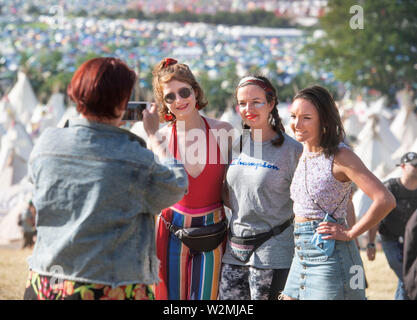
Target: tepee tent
(70, 113)
(396, 172)
(376, 145)
(13, 201)
(42, 118)
(404, 126)
(352, 125)
(16, 146)
(22, 99)
(348, 113)
(56, 106)
(9, 228)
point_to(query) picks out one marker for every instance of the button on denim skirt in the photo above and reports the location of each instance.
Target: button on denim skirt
(315, 276)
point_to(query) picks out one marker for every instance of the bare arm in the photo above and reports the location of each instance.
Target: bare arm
(158, 141)
(382, 200)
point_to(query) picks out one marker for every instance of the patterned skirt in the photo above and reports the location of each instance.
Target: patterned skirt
(184, 274)
(39, 287)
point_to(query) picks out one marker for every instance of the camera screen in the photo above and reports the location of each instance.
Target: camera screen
(134, 110)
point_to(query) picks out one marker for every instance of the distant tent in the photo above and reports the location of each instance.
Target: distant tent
(376, 142)
(352, 125)
(375, 147)
(350, 112)
(22, 99)
(16, 146)
(5, 116)
(41, 119)
(9, 228)
(360, 108)
(70, 113)
(396, 171)
(56, 106)
(13, 201)
(404, 126)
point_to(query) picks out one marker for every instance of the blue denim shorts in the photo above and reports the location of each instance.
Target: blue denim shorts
(315, 276)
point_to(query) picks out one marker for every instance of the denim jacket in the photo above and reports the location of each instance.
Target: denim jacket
(96, 193)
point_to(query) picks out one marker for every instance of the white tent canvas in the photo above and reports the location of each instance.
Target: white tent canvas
(352, 125)
(404, 126)
(22, 99)
(16, 146)
(376, 143)
(56, 106)
(70, 113)
(9, 228)
(13, 201)
(42, 118)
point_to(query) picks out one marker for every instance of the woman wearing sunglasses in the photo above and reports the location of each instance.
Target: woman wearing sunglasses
(190, 271)
(260, 246)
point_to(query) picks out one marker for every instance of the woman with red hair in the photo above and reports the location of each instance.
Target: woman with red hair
(95, 187)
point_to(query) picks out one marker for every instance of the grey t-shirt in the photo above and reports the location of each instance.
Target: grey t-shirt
(258, 181)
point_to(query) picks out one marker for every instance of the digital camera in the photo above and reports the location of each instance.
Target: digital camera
(134, 110)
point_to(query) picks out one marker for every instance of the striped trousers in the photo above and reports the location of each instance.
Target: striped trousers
(185, 274)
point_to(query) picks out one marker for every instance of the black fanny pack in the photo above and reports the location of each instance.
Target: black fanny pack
(242, 248)
(200, 239)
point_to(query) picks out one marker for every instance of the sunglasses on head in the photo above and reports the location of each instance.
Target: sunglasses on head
(183, 93)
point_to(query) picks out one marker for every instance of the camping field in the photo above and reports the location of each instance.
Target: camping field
(13, 272)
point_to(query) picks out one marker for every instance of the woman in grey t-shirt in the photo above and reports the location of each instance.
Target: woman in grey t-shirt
(258, 180)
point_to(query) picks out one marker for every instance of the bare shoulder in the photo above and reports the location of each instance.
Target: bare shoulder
(218, 124)
(345, 157)
(346, 160)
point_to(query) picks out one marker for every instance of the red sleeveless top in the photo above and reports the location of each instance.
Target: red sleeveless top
(206, 189)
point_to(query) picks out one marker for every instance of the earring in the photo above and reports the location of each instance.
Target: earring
(168, 117)
(197, 106)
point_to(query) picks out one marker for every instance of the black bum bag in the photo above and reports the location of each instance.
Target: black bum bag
(199, 239)
(242, 248)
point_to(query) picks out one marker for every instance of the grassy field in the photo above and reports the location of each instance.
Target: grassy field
(13, 272)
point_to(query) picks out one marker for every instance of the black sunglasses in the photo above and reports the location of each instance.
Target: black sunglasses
(183, 93)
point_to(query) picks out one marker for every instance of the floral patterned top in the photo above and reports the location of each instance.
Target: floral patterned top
(314, 186)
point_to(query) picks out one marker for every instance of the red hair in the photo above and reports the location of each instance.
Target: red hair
(100, 86)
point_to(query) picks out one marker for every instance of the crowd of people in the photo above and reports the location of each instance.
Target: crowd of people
(125, 219)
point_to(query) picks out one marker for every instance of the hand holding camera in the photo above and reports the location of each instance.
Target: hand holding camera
(134, 110)
(151, 119)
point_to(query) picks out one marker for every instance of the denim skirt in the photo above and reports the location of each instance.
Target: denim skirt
(315, 276)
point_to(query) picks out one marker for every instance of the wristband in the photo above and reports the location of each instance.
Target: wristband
(370, 245)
